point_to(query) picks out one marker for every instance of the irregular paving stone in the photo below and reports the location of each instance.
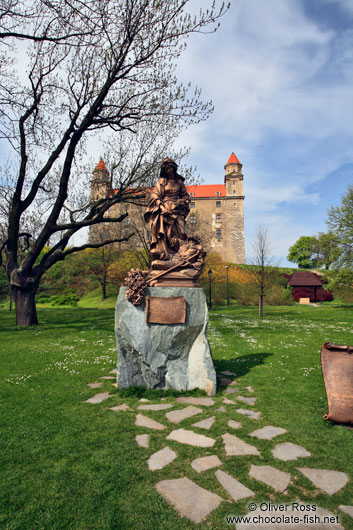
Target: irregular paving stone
(286, 520)
(98, 398)
(175, 356)
(143, 440)
(176, 416)
(249, 413)
(221, 409)
(346, 509)
(158, 406)
(114, 385)
(190, 438)
(249, 388)
(234, 424)
(94, 385)
(189, 499)
(232, 390)
(120, 407)
(227, 372)
(235, 488)
(236, 446)
(227, 401)
(143, 421)
(205, 401)
(114, 371)
(271, 476)
(268, 432)
(205, 424)
(205, 463)
(248, 400)
(107, 377)
(161, 458)
(288, 451)
(234, 383)
(327, 480)
(144, 400)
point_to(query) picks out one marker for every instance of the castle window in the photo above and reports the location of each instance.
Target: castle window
(191, 193)
(234, 203)
(218, 217)
(192, 205)
(148, 237)
(127, 220)
(192, 219)
(218, 192)
(218, 204)
(234, 192)
(219, 234)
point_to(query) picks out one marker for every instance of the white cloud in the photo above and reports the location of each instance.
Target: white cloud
(281, 85)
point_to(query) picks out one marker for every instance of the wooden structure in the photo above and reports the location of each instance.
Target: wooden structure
(311, 281)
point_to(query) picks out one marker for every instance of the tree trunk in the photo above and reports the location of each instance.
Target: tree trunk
(104, 290)
(26, 312)
(261, 305)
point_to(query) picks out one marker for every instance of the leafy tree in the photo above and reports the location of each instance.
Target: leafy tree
(91, 66)
(303, 252)
(328, 250)
(340, 222)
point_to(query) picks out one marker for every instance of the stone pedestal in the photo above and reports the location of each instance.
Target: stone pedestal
(164, 356)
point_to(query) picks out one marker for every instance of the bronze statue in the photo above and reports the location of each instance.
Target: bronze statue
(166, 211)
(177, 258)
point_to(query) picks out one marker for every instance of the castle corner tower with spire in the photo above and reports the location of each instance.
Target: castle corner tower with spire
(234, 246)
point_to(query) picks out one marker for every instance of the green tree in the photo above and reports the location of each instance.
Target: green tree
(91, 67)
(340, 222)
(328, 250)
(303, 252)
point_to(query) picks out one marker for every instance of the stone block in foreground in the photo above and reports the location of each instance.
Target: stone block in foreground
(176, 356)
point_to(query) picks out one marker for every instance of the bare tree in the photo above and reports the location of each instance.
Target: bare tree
(263, 271)
(90, 67)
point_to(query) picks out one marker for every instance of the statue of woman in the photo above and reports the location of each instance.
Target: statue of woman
(166, 211)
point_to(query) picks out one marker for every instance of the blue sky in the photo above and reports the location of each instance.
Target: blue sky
(280, 75)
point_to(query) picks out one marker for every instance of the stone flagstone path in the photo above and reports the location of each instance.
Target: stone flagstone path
(195, 502)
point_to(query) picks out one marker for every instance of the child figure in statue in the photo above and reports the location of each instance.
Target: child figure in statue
(166, 211)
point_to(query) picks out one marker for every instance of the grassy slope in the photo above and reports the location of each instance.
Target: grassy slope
(67, 464)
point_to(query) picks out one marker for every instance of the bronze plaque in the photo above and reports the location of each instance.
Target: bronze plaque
(165, 310)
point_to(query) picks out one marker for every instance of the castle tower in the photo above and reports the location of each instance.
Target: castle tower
(233, 179)
(100, 189)
(233, 229)
(101, 184)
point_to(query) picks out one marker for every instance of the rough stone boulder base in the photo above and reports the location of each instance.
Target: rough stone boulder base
(164, 356)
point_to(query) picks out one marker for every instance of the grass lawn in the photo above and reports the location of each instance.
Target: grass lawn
(69, 464)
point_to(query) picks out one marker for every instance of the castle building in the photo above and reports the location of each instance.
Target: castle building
(216, 213)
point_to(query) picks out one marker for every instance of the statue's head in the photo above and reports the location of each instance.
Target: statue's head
(168, 166)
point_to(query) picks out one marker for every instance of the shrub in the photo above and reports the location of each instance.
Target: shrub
(278, 296)
(308, 292)
(67, 298)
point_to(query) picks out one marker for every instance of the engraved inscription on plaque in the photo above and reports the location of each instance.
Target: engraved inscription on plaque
(165, 310)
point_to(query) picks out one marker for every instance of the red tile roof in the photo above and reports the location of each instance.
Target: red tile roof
(101, 166)
(304, 279)
(233, 159)
(207, 190)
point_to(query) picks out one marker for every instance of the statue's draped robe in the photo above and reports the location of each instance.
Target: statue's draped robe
(166, 212)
